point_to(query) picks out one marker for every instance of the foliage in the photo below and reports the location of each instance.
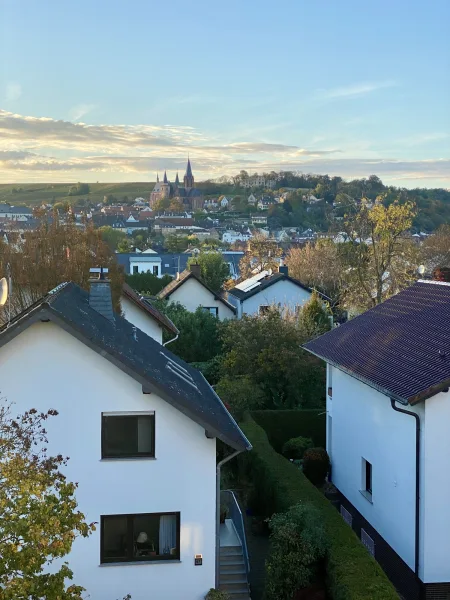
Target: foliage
(298, 543)
(112, 236)
(176, 243)
(436, 248)
(295, 447)
(124, 246)
(147, 283)
(80, 189)
(314, 319)
(268, 351)
(381, 261)
(316, 464)
(217, 595)
(283, 425)
(240, 394)
(263, 254)
(39, 517)
(352, 574)
(318, 266)
(214, 271)
(55, 253)
(199, 338)
(211, 369)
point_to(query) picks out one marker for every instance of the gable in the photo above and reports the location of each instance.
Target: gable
(283, 291)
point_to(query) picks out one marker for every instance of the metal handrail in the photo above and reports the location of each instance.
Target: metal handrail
(238, 522)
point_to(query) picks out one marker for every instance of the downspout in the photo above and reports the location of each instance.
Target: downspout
(218, 467)
(417, 519)
(172, 340)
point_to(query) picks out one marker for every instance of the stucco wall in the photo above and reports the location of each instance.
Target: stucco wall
(192, 294)
(141, 319)
(364, 425)
(45, 367)
(284, 292)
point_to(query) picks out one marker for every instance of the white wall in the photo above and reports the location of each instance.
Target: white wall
(143, 265)
(364, 425)
(45, 367)
(436, 490)
(193, 294)
(142, 320)
(284, 292)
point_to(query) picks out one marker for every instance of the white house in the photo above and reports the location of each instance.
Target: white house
(189, 290)
(15, 213)
(145, 263)
(140, 312)
(256, 295)
(224, 202)
(252, 200)
(388, 409)
(140, 428)
(231, 236)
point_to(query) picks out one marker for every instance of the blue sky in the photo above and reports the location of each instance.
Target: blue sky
(113, 90)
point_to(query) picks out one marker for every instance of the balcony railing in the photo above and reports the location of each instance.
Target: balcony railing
(228, 498)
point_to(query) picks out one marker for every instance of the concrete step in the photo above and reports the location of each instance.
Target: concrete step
(233, 576)
(234, 586)
(236, 565)
(239, 595)
(227, 550)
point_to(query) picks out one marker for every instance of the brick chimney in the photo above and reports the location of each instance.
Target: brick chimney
(195, 270)
(100, 298)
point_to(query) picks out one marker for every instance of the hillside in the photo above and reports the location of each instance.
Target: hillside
(33, 194)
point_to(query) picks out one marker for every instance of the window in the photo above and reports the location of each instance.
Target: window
(366, 479)
(156, 270)
(213, 310)
(128, 435)
(135, 269)
(263, 309)
(142, 537)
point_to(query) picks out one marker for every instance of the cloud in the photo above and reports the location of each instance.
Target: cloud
(13, 91)
(354, 90)
(80, 110)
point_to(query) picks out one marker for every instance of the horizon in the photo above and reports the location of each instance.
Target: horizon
(234, 87)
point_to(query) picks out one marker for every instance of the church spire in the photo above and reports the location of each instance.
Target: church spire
(188, 178)
(188, 168)
(165, 177)
(177, 180)
(157, 177)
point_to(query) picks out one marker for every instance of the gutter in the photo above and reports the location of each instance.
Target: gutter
(417, 494)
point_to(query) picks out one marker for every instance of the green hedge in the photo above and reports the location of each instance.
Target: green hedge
(352, 574)
(282, 425)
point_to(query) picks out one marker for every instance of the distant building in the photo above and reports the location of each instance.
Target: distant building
(258, 181)
(190, 196)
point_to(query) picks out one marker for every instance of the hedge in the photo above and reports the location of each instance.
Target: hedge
(282, 425)
(352, 574)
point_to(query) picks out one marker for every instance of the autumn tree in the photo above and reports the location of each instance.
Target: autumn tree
(380, 260)
(39, 519)
(214, 271)
(112, 236)
(436, 248)
(262, 255)
(318, 266)
(55, 253)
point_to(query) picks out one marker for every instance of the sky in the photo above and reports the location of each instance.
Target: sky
(112, 91)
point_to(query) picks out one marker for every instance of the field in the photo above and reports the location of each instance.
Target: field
(35, 194)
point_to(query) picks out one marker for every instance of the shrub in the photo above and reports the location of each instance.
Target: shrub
(352, 574)
(298, 543)
(295, 447)
(217, 595)
(316, 464)
(282, 425)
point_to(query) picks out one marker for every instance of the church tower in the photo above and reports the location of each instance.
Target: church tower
(188, 178)
(165, 187)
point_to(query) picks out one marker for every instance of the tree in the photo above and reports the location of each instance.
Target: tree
(436, 248)
(110, 199)
(214, 271)
(262, 255)
(112, 236)
(175, 243)
(318, 266)
(55, 253)
(124, 246)
(381, 261)
(80, 189)
(161, 205)
(39, 520)
(147, 283)
(314, 319)
(176, 205)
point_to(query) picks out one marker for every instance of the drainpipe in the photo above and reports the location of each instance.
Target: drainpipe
(218, 467)
(172, 340)
(417, 524)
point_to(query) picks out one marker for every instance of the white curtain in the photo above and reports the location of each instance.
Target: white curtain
(167, 533)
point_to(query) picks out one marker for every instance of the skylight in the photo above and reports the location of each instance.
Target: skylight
(179, 371)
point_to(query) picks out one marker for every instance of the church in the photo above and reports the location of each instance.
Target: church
(190, 196)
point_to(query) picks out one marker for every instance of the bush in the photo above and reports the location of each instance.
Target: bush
(295, 447)
(316, 464)
(217, 595)
(298, 543)
(282, 425)
(352, 574)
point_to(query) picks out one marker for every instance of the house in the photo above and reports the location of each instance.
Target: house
(224, 203)
(388, 409)
(255, 295)
(252, 200)
(15, 213)
(140, 427)
(189, 290)
(232, 236)
(140, 312)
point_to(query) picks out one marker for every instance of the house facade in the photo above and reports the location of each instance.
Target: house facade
(388, 406)
(140, 428)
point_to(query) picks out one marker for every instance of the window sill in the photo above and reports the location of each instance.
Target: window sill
(126, 458)
(140, 562)
(367, 495)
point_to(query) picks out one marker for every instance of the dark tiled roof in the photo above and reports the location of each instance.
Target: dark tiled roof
(145, 305)
(401, 347)
(184, 276)
(139, 355)
(267, 282)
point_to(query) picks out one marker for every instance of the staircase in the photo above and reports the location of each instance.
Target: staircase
(233, 575)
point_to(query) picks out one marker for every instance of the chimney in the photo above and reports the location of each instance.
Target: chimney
(195, 270)
(283, 269)
(100, 293)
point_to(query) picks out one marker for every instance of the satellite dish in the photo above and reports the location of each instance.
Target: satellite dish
(421, 269)
(3, 291)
